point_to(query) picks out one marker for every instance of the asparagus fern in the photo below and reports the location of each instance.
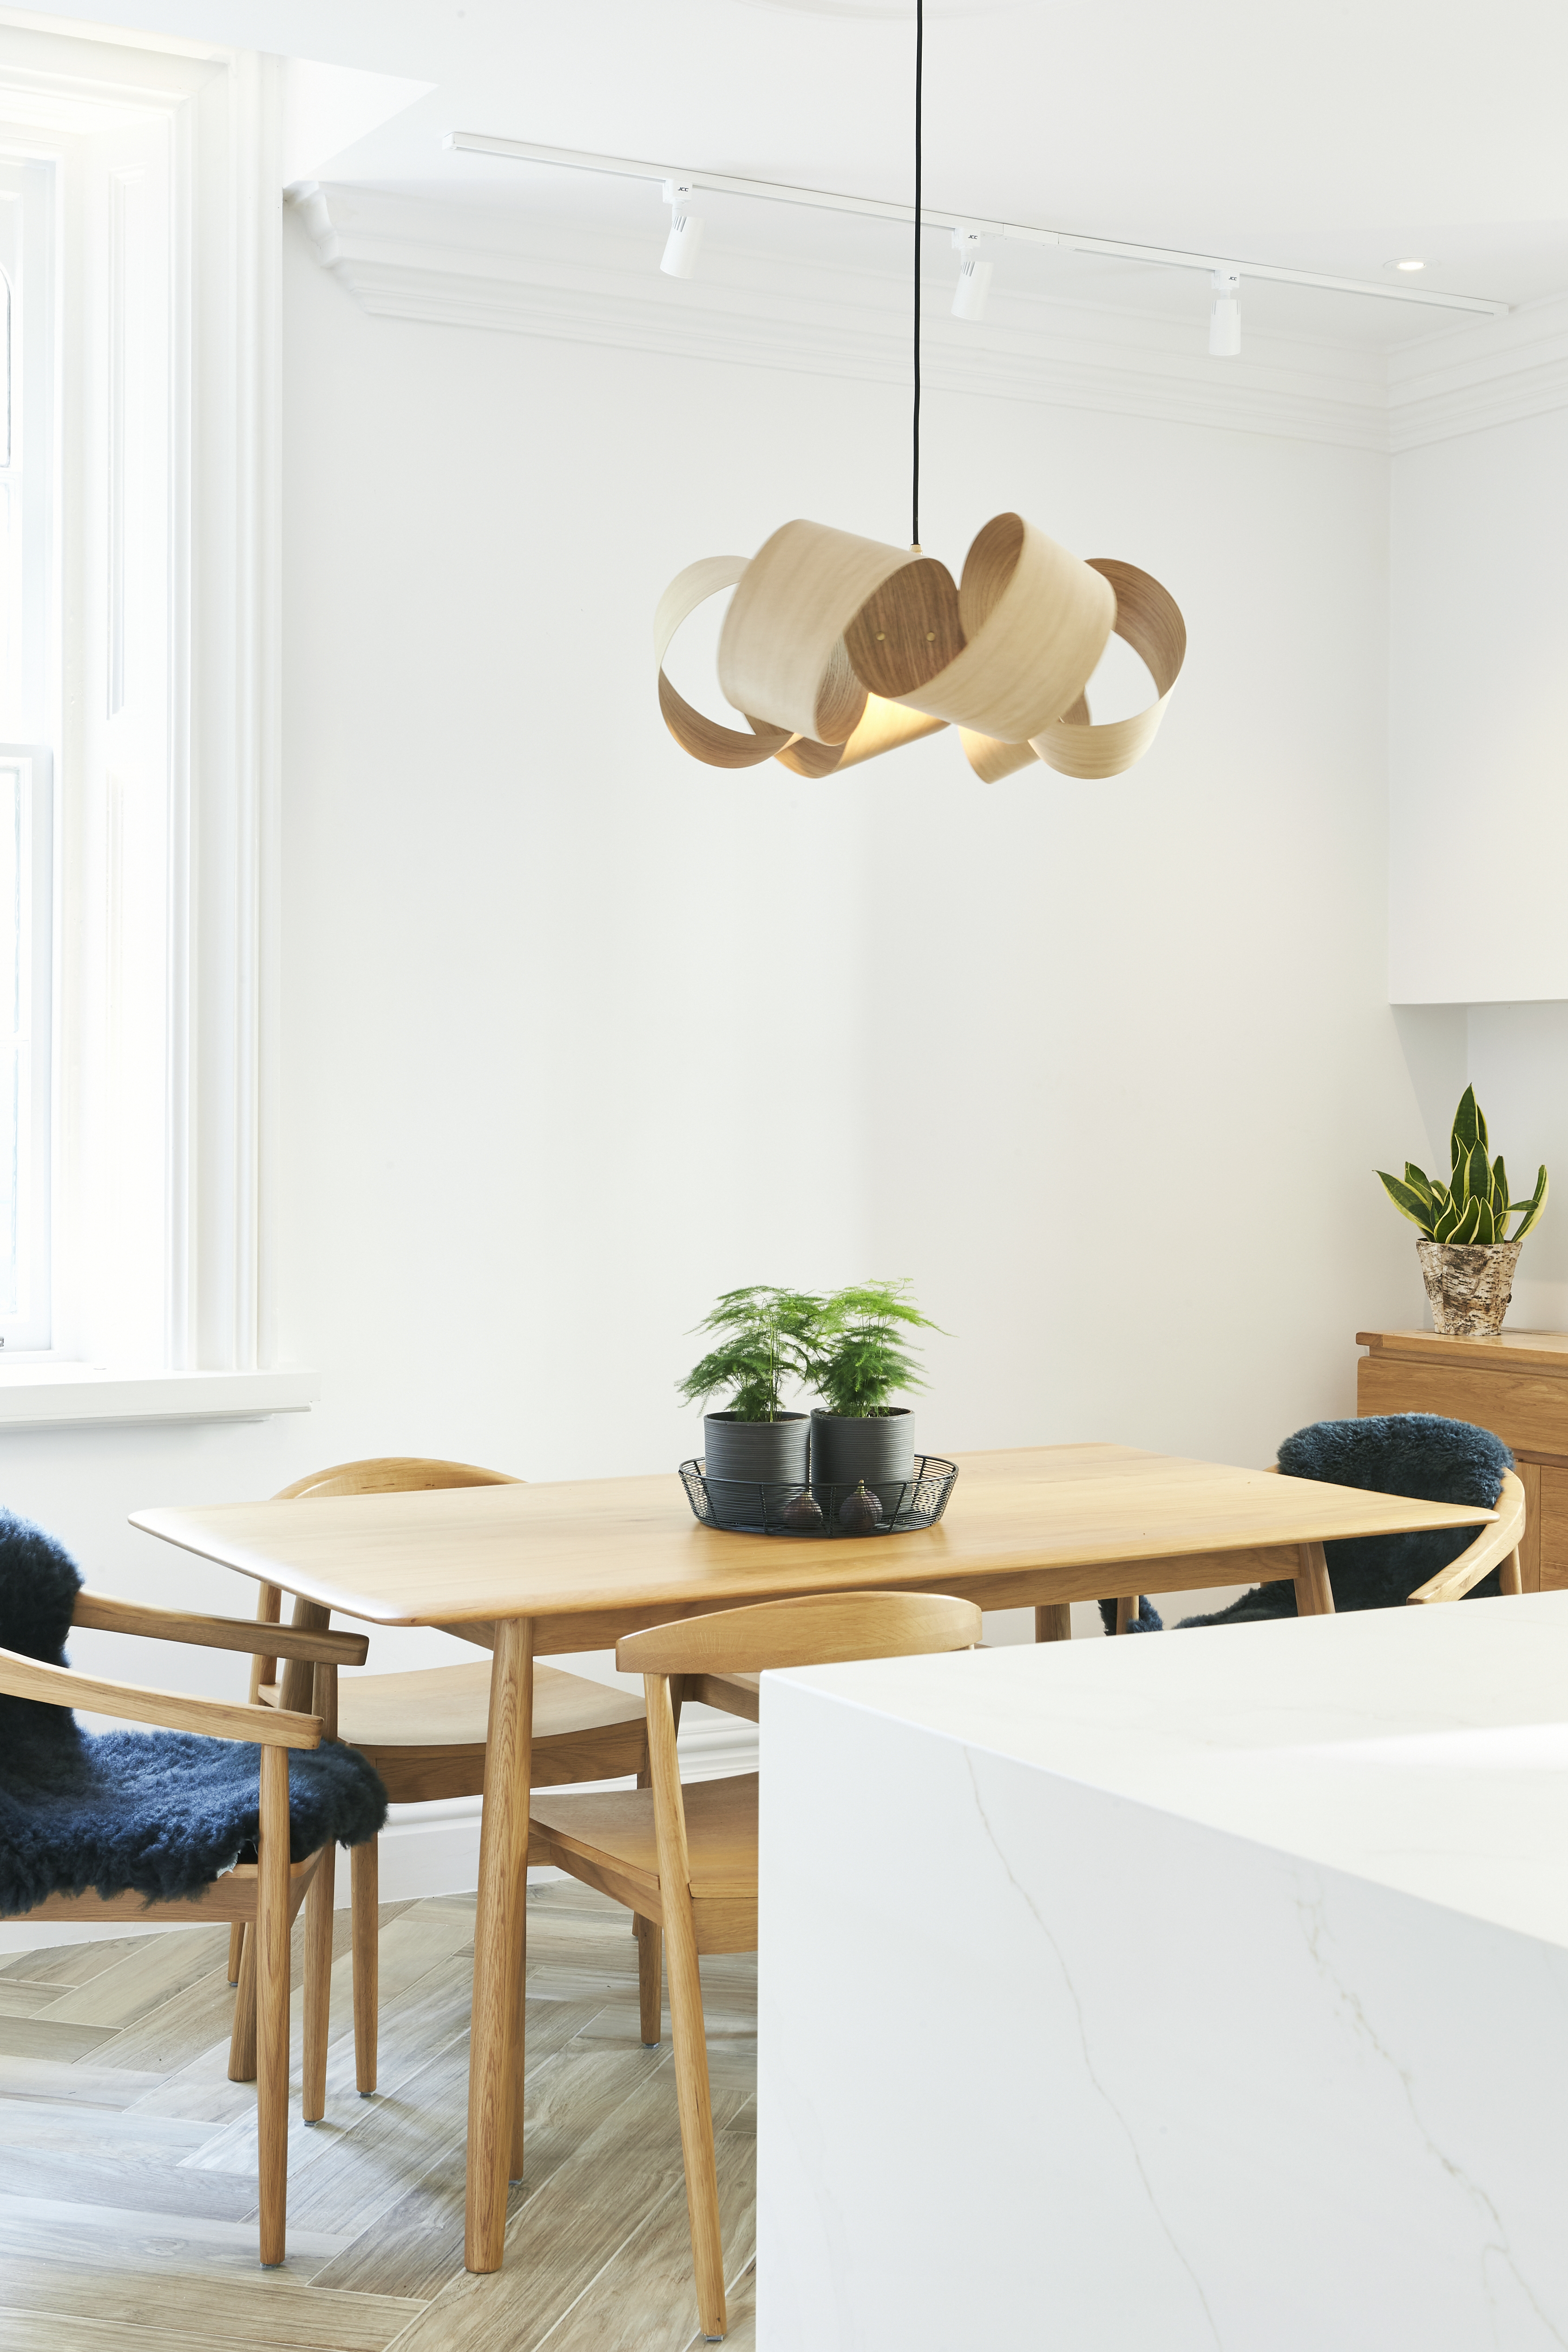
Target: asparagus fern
(762, 1335)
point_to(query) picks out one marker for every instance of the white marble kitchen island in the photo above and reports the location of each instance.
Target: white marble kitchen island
(1172, 1993)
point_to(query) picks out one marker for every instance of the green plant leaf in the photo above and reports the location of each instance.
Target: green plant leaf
(1486, 1222)
(1418, 1179)
(1447, 1222)
(1479, 1175)
(1469, 1221)
(1469, 1127)
(1499, 1187)
(1416, 1206)
(1532, 1208)
(860, 1358)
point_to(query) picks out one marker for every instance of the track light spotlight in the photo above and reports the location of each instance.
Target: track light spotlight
(969, 296)
(1225, 317)
(685, 238)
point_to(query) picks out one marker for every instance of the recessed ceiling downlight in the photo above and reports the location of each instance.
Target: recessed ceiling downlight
(1404, 265)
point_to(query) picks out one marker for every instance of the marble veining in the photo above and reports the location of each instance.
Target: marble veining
(1161, 1996)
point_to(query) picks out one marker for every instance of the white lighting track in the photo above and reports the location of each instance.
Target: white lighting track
(775, 192)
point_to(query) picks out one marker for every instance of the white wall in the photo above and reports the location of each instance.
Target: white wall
(1478, 766)
(579, 1032)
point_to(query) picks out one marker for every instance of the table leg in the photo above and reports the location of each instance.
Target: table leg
(1053, 1623)
(1126, 1612)
(498, 1941)
(1314, 1594)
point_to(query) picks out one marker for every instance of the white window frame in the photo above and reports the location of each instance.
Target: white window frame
(164, 718)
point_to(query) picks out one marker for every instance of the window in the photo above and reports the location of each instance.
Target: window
(140, 236)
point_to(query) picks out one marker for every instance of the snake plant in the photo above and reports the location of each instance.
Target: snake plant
(1473, 1205)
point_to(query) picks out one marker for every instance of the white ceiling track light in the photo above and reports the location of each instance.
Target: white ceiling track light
(1225, 316)
(969, 296)
(626, 167)
(685, 239)
(836, 649)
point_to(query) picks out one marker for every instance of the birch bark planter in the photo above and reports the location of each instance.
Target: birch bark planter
(1469, 1285)
(764, 1459)
(877, 1446)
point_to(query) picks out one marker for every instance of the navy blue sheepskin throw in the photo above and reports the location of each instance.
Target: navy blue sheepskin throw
(160, 1813)
(1416, 1454)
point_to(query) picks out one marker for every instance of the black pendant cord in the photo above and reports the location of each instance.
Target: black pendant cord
(920, 73)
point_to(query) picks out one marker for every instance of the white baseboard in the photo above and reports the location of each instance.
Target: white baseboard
(425, 1849)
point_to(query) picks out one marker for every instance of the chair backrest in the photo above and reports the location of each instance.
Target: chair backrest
(1421, 1454)
(819, 1629)
(385, 1473)
(391, 1474)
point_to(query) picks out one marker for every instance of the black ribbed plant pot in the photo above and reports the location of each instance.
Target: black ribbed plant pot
(877, 1446)
(767, 1458)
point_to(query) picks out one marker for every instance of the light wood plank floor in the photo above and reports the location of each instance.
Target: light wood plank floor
(128, 2158)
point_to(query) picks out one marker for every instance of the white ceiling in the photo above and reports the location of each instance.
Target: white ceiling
(1331, 138)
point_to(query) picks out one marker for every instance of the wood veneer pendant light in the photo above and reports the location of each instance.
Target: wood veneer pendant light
(837, 648)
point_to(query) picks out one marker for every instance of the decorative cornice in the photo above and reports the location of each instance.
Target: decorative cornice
(463, 266)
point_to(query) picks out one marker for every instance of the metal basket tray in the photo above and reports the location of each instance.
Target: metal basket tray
(743, 1507)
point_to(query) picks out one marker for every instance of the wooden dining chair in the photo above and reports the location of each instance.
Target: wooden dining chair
(685, 1859)
(1430, 1458)
(424, 1732)
(140, 1837)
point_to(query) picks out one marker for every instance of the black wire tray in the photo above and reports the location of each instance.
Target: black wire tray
(743, 1507)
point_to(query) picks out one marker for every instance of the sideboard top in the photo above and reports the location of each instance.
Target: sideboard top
(1513, 1351)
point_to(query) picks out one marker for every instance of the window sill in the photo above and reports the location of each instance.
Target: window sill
(42, 1396)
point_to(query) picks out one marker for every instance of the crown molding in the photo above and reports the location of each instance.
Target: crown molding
(445, 264)
(1472, 378)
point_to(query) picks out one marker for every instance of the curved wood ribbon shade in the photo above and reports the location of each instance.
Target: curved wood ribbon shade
(837, 648)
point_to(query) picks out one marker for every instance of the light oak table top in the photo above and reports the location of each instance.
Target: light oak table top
(594, 1557)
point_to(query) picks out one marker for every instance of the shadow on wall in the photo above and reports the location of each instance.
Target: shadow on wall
(1516, 1058)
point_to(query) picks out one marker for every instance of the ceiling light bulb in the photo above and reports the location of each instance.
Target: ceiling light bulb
(685, 239)
(1410, 265)
(1225, 316)
(969, 296)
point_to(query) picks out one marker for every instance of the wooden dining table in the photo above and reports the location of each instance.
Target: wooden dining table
(533, 1570)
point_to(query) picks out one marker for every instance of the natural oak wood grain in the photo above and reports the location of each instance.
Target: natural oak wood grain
(174, 1710)
(498, 1942)
(688, 1858)
(1314, 1594)
(1148, 619)
(1496, 1547)
(624, 1553)
(319, 1932)
(98, 1610)
(793, 1632)
(272, 1937)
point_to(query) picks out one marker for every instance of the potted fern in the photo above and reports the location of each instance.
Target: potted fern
(859, 1361)
(1467, 1257)
(761, 1337)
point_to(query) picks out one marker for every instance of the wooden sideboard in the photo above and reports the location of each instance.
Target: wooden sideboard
(1515, 1385)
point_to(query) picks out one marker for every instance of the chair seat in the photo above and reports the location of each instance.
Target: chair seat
(616, 1830)
(448, 1706)
(155, 1814)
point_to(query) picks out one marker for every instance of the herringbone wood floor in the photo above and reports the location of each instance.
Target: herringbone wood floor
(128, 2158)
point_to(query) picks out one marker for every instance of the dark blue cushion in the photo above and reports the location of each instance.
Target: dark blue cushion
(160, 1813)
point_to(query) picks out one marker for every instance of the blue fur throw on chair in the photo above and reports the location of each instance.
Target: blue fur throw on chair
(160, 1813)
(1416, 1454)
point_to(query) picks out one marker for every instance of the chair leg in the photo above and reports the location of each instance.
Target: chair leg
(236, 1950)
(650, 1942)
(694, 2097)
(365, 1882)
(1511, 1574)
(242, 2035)
(272, 2004)
(514, 2168)
(317, 1983)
